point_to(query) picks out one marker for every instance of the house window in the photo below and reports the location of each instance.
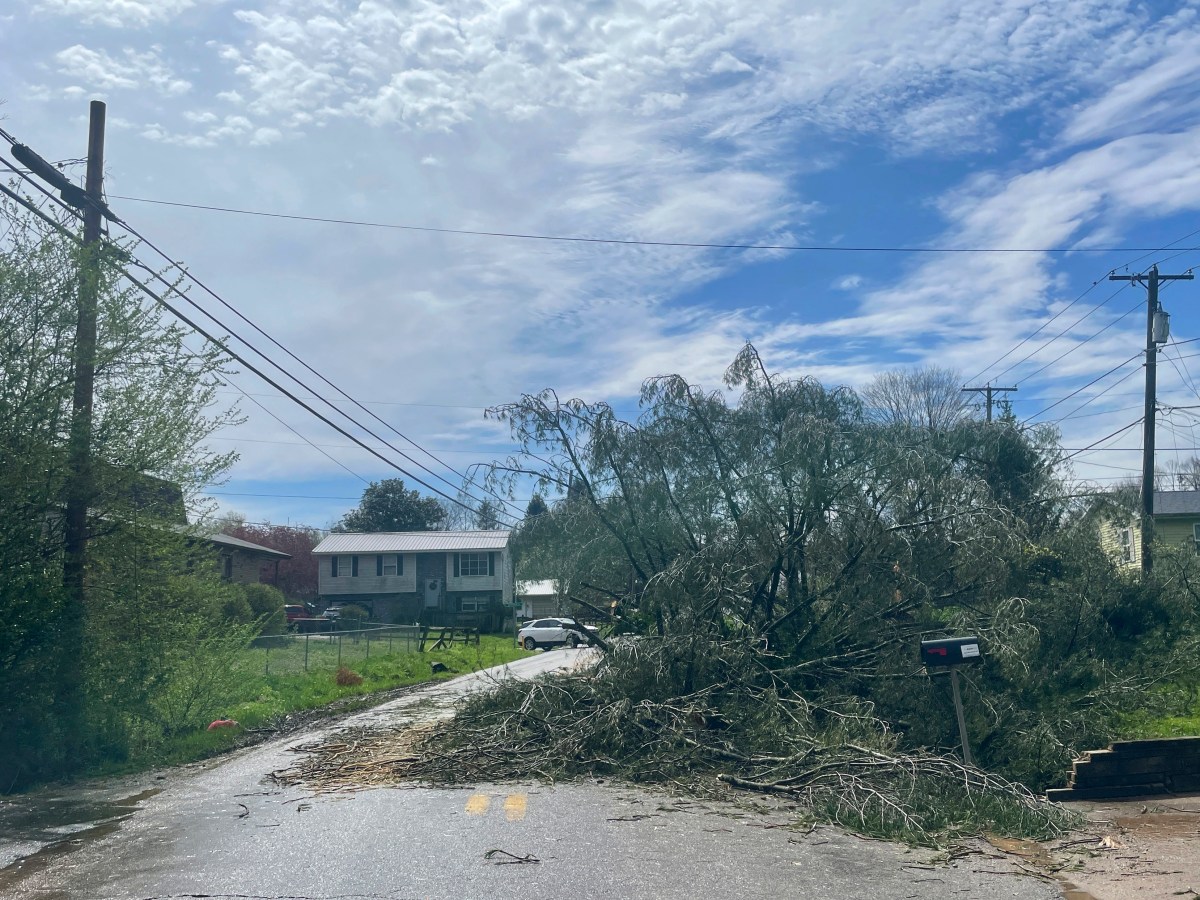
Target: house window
(386, 564)
(343, 566)
(470, 603)
(474, 565)
(1127, 545)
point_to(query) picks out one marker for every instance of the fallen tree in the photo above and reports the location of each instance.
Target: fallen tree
(739, 728)
(777, 552)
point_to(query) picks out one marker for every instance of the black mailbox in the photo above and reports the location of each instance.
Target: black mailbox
(950, 651)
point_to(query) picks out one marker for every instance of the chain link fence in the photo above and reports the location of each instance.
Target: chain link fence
(293, 653)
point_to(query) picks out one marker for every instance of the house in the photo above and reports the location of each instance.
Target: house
(244, 562)
(1176, 522)
(431, 577)
(539, 598)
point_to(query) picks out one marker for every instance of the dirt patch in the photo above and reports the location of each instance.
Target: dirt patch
(1129, 849)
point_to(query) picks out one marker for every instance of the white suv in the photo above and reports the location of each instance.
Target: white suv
(553, 633)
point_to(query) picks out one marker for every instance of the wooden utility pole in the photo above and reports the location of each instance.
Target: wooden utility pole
(1153, 309)
(80, 489)
(988, 390)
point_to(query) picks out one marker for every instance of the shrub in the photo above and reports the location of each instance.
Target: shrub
(266, 605)
(354, 615)
(346, 678)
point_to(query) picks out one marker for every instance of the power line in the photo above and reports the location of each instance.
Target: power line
(576, 239)
(1085, 387)
(221, 344)
(1090, 337)
(309, 368)
(158, 298)
(1092, 446)
(1091, 288)
(1095, 397)
(1031, 336)
(209, 315)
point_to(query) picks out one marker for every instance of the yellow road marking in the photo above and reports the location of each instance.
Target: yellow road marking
(477, 804)
(514, 807)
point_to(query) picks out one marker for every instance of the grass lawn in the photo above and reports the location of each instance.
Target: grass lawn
(1182, 721)
(268, 693)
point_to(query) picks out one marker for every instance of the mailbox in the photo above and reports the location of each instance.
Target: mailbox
(950, 651)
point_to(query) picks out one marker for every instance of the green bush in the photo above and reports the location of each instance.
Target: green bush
(354, 615)
(266, 605)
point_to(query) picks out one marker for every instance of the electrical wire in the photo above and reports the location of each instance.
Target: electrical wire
(1094, 398)
(575, 239)
(1093, 446)
(133, 231)
(162, 301)
(1093, 286)
(1033, 334)
(1084, 388)
(209, 315)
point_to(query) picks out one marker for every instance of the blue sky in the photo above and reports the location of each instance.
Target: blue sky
(954, 124)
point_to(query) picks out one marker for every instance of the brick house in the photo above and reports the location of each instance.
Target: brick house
(244, 562)
(431, 577)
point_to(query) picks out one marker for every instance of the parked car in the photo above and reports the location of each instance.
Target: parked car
(332, 612)
(294, 612)
(554, 632)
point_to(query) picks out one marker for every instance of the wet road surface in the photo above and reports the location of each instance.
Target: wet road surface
(221, 830)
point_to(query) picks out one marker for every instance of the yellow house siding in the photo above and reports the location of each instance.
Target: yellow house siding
(1176, 531)
(1123, 542)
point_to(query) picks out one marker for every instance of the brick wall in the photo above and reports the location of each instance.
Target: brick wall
(1134, 769)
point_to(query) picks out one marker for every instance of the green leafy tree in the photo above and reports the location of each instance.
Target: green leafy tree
(154, 393)
(388, 506)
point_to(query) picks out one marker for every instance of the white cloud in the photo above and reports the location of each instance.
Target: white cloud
(129, 71)
(1162, 95)
(687, 122)
(118, 13)
(727, 62)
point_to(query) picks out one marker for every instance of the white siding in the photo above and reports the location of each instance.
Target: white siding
(367, 581)
(501, 581)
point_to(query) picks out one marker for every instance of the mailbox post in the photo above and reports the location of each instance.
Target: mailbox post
(952, 653)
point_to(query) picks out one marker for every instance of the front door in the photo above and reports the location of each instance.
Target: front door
(433, 593)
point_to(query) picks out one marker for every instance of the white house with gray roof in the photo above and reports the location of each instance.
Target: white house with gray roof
(431, 577)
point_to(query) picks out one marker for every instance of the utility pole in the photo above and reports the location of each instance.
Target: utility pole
(80, 487)
(1154, 336)
(988, 390)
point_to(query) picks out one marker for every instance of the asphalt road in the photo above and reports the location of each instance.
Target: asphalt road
(221, 830)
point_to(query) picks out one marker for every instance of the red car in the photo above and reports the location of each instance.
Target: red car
(295, 611)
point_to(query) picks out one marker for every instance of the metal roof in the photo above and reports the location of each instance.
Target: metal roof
(1177, 503)
(226, 541)
(536, 589)
(413, 542)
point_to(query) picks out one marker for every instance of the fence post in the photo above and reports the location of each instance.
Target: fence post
(368, 645)
(267, 661)
(306, 637)
(339, 637)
